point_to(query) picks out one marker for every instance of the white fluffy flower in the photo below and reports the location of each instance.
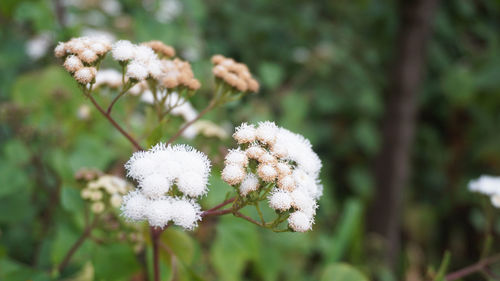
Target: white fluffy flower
(137, 70)
(249, 184)
(267, 172)
(266, 132)
(186, 213)
(108, 77)
(85, 75)
(488, 185)
(123, 50)
(155, 185)
(285, 162)
(307, 183)
(72, 63)
(300, 221)
(280, 200)
(244, 133)
(233, 174)
(303, 202)
(299, 150)
(255, 151)
(156, 170)
(236, 157)
(158, 212)
(192, 183)
(134, 206)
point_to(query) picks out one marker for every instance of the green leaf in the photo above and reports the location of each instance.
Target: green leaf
(342, 272)
(114, 262)
(235, 245)
(180, 243)
(71, 199)
(346, 227)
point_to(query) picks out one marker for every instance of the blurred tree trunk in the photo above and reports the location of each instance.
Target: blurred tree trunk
(393, 162)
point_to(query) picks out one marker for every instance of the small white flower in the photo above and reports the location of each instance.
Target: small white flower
(134, 206)
(186, 213)
(255, 151)
(300, 221)
(123, 50)
(98, 207)
(267, 172)
(159, 212)
(115, 200)
(88, 56)
(233, 174)
(244, 133)
(60, 50)
(236, 157)
(266, 132)
(287, 183)
(303, 202)
(144, 54)
(283, 169)
(267, 158)
(192, 184)
(137, 70)
(485, 184)
(108, 77)
(249, 184)
(72, 63)
(155, 185)
(85, 75)
(280, 200)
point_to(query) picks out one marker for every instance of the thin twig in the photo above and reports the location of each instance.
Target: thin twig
(78, 243)
(216, 213)
(113, 122)
(203, 112)
(238, 214)
(230, 200)
(110, 107)
(480, 265)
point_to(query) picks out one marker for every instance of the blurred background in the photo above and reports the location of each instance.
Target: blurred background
(400, 100)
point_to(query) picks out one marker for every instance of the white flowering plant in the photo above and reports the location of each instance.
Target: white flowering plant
(271, 165)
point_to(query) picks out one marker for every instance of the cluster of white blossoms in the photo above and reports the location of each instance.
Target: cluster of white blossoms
(487, 185)
(273, 157)
(106, 188)
(170, 179)
(81, 55)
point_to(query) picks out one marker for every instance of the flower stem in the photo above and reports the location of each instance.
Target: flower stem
(77, 244)
(155, 239)
(113, 122)
(480, 265)
(210, 106)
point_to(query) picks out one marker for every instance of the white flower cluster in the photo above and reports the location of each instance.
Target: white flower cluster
(283, 159)
(487, 185)
(81, 55)
(170, 178)
(105, 188)
(142, 60)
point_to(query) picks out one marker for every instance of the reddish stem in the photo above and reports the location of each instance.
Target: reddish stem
(181, 130)
(113, 122)
(472, 268)
(208, 213)
(76, 246)
(155, 239)
(230, 200)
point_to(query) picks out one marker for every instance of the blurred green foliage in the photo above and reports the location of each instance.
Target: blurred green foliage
(323, 70)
